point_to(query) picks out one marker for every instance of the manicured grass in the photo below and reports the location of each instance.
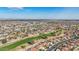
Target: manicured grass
(14, 45)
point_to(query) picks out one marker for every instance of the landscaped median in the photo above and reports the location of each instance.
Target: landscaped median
(30, 39)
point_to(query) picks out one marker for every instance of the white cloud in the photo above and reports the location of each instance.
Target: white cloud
(15, 8)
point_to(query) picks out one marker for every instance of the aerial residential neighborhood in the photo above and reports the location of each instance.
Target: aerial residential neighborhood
(39, 29)
(39, 35)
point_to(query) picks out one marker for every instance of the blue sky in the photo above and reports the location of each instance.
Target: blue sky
(39, 13)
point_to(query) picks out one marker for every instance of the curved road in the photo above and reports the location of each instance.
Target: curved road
(54, 47)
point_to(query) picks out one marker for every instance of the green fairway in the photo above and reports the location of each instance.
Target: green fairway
(14, 45)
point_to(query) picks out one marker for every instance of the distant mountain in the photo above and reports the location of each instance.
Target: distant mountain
(40, 19)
